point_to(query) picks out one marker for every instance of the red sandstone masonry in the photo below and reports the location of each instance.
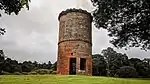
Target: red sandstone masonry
(75, 36)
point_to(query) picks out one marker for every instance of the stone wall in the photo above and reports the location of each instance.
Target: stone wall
(75, 41)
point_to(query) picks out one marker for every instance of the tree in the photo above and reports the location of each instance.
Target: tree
(99, 65)
(127, 72)
(114, 60)
(2, 31)
(1, 61)
(147, 60)
(49, 65)
(127, 21)
(54, 66)
(142, 67)
(7, 65)
(133, 61)
(12, 6)
(107, 53)
(13, 66)
(27, 66)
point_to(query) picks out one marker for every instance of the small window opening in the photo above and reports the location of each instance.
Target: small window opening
(82, 64)
(71, 53)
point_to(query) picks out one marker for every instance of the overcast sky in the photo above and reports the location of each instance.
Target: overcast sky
(33, 34)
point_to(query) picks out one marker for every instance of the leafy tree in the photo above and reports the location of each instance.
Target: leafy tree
(1, 61)
(107, 53)
(133, 61)
(127, 21)
(99, 65)
(27, 66)
(114, 60)
(147, 60)
(7, 65)
(49, 65)
(35, 63)
(2, 53)
(12, 6)
(141, 67)
(127, 72)
(13, 66)
(54, 66)
(2, 31)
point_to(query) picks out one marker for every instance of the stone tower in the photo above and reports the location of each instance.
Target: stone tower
(75, 42)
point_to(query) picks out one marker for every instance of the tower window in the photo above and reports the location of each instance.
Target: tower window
(82, 64)
(71, 53)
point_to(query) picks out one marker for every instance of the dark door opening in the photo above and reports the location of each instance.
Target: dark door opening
(82, 64)
(72, 66)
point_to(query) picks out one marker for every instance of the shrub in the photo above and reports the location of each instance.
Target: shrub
(53, 72)
(25, 73)
(42, 71)
(33, 73)
(1, 72)
(6, 73)
(127, 72)
(16, 73)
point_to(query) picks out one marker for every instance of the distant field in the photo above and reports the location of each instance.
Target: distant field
(57, 79)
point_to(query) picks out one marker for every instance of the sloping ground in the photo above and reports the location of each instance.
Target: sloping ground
(56, 79)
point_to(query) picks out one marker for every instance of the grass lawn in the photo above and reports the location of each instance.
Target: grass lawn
(57, 79)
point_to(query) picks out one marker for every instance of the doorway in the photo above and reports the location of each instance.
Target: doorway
(72, 66)
(82, 64)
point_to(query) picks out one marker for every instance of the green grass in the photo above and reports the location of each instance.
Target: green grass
(57, 79)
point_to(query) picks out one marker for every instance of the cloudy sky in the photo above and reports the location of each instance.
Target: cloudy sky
(33, 34)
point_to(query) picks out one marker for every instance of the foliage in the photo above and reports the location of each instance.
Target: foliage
(147, 60)
(53, 72)
(43, 71)
(6, 73)
(25, 73)
(13, 6)
(111, 61)
(2, 31)
(127, 21)
(1, 61)
(27, 66)
(127, 72)
(17, 73)
(54, 66)
(142, 67)
(114, 60)
(13, 66)
(99, 65)
(33, 73)
(66, 79)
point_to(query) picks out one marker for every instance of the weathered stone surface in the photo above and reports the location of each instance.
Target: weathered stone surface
(75, 41)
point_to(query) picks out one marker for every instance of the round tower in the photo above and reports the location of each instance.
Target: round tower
(75, 42)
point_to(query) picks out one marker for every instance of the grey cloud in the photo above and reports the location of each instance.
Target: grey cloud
(33, 35)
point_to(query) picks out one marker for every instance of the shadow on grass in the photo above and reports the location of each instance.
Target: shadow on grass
(123, 78)
(137, 78)
(143, 79)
